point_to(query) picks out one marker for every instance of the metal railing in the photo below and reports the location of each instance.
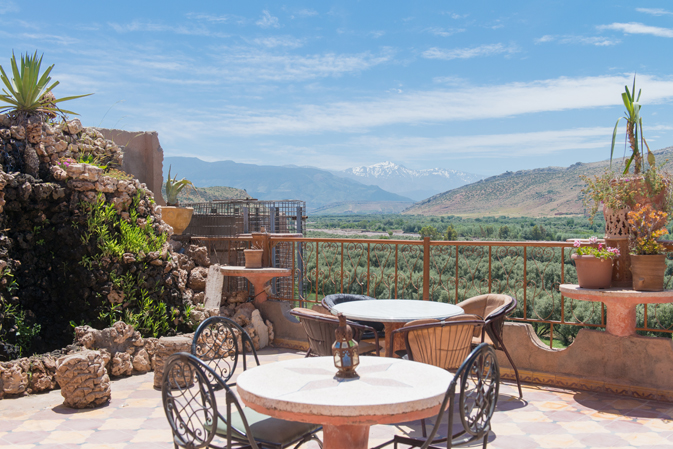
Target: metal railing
(449, 271)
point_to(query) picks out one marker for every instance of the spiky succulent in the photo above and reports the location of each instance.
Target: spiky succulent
(174, 187)
(28, 92)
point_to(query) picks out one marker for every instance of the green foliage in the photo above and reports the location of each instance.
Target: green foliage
(634, 123)
(116, 236)
(174, 187)
(118, 174)
(429, 231)
(91, 160)
(21, 332)
(28, 91)
(149, 317)
(451, 233)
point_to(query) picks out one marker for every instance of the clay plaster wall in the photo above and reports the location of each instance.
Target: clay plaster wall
(596, 361)
(143, 157)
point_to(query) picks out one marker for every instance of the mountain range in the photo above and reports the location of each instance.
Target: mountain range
(415, 184)
(532, 193)
(317, 187)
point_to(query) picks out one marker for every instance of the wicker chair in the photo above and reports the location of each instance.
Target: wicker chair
(330, 301)
(192, 411)
(493, 308)
(445, 344)
(320, 329)
(218, 341)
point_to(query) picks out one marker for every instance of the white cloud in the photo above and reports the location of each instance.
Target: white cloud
(304, 13)
(377, 34)
(138, 26)
(279, 41)
(7, 6)
(449, 105)
(466, 53)
(654, 11)
(637, 28)
(598, 41)
(444, 32)
(267, 20)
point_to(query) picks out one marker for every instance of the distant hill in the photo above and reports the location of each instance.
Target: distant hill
(533, 193)
(205, 194)
(264, 182)
(362, 207)
(415, 184)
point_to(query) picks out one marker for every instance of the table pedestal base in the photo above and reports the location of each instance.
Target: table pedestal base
(398, 344)
(621, 319)
(345, 437)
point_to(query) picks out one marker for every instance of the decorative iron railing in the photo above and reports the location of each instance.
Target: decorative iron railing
(447, 271)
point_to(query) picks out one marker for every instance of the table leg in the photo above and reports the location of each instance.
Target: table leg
(621, 319)
(392, 346)
(345, 437)
(258, 285)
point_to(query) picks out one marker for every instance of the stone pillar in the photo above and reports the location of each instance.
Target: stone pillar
(83, 379)
(167, 346)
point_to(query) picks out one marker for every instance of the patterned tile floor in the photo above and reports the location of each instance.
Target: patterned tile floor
(547, 418)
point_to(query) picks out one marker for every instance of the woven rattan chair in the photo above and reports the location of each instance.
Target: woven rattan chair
(191, 408)
(218, 342)
(330, 301)
(493, 308)
(320, 329)
(473, 394)
(445, 344)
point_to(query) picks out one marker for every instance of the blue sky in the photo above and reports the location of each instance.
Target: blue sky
(482, 87)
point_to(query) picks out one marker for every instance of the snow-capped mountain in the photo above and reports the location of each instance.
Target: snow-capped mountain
(415, 184)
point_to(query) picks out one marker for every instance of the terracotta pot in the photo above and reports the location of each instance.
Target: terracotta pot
(593, 272)
(253, 258)
(648, 272)
(177, 217)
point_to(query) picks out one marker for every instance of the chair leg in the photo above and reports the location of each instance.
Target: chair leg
(306, 439)
(511, 362)
(425, 433)
(308, 353)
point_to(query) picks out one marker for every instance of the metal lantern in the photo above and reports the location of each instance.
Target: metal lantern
(345, 350)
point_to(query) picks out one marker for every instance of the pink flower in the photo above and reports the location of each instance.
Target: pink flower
(600, 246)
(593, 240)
(577, 244)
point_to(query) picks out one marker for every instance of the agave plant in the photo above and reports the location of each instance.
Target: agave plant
(174, 187)
(28, 92)
(634, 124)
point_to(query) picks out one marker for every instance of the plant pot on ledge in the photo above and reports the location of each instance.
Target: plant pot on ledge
(253, 258)
(177, 217)
(593, 272)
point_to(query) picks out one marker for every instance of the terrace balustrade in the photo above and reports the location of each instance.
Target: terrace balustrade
(447, 271)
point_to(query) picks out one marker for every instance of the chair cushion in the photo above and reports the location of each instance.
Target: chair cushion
(264, 428)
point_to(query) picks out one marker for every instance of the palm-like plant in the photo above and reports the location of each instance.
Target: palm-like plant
(29, 92)
(634, 131)
(174, 187)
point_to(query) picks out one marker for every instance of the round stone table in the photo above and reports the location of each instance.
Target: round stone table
(306, 390)
(258, 277)
(393, 313)
(621, 315)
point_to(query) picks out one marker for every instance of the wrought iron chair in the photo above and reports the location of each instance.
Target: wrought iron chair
(191, 408)
(445, 344)
(218, 341)
(330, 301)
(320, 329)
(494, 308)
(478, 382)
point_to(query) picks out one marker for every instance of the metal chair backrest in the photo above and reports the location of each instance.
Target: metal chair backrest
(478, 378)
(492, 308)
(190, 403)
(218, 342)
(445, 344)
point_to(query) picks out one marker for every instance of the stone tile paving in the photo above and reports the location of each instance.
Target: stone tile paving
(547, 418)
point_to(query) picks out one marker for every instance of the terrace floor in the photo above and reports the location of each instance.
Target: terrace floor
(546, 418)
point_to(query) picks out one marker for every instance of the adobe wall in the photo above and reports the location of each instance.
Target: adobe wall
(596, 361)
(143, 157)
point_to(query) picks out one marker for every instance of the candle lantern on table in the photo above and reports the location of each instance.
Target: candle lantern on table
(345, 350)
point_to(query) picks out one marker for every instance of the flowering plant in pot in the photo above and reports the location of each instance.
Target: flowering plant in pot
(648, 258)
(177, 217)
(594, 264)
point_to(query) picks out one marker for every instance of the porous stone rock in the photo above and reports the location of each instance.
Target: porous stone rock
(141, 361)
(261, 329)
(197, 279)
(199, 254)
(121, 364)
(14, 379)
(83, 379)
(243, 314)
(165, 347)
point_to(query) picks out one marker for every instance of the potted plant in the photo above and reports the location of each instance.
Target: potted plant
(177, 217)
(641, 182)
(253, 256)
(648, 260)
(594, 264)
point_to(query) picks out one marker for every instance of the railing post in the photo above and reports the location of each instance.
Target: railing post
(426, 268)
